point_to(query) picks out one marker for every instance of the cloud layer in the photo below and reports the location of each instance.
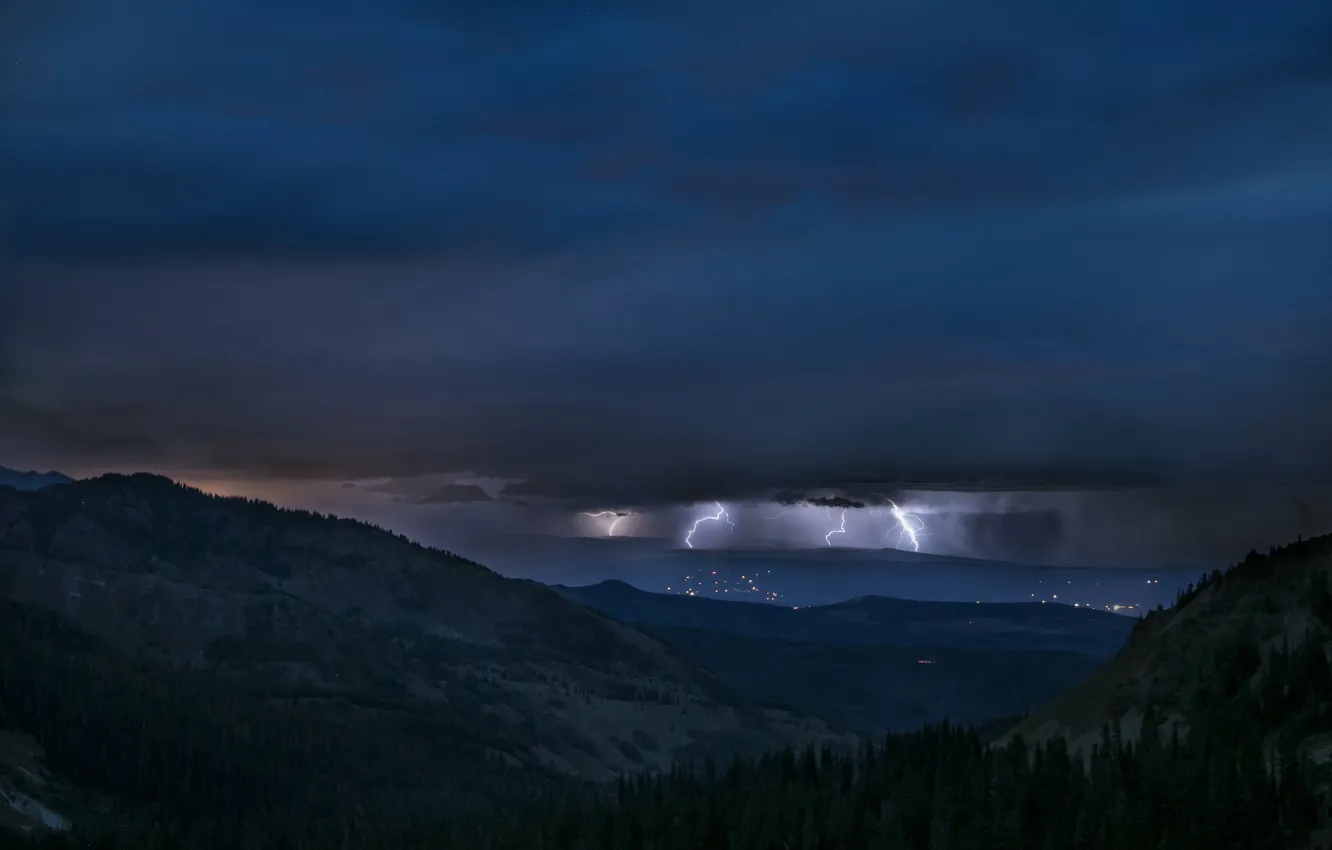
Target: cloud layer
(674, 253)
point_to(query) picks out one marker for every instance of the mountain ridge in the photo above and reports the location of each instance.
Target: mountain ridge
(31, 480)
(416, 648)
(870, 620)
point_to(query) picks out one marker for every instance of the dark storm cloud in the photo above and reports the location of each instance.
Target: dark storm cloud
(447, 494)
(835, 502)
(671, 254)
(1025, 536)
(321, 129)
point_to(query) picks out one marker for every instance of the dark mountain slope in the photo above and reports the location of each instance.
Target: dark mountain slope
(1252, 690)
(106, 725)
(1231, 622)
(370, 638)
(1243, 768)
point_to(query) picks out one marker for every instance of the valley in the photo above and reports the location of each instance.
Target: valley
(876, 665)
(192, 671)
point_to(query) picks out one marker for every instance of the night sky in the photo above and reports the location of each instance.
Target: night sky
(472, 268)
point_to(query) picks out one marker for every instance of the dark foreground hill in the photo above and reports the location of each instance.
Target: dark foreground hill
(1266, 617)
(1230, 757)
(879, 665)
(161, 648)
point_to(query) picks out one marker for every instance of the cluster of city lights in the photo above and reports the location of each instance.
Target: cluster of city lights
(1116, 607)
(715, 584)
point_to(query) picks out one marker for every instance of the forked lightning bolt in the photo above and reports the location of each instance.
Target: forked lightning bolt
(610, 532)
(908, 526)
(827, 538)
(717, 517)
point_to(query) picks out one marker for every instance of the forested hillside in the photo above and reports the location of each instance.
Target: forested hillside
(1215, 720)
(189, 658)
(1241, 767)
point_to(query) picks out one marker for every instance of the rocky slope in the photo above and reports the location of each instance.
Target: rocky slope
(352, 622)
(31, 799)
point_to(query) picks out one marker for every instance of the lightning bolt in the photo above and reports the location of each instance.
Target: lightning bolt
(827, 538)
(610, 532)
(905, 522)
(717, 517)
(777, 515)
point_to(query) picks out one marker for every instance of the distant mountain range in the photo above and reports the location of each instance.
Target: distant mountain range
(872, 620)
(875, 664)
(31, 480)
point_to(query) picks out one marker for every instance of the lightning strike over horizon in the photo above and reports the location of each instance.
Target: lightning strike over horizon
(610, 532)
(827, 538)
(717, 517)
(905, 520)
